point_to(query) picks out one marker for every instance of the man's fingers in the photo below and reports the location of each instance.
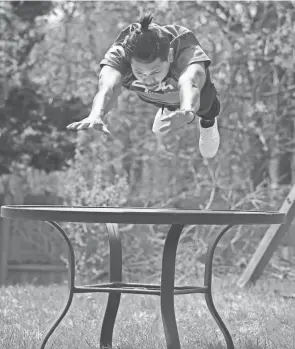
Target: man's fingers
(164, 128)
(80, 125)
(83, 125)
(101, 127)
(106, 130)
(166, 118)
(72, 125)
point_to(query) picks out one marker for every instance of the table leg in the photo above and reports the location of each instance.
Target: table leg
(115, 275)
(208, 284)
(167, 287)
(71, 279)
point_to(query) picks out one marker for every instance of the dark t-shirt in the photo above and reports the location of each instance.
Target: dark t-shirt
(187, 50)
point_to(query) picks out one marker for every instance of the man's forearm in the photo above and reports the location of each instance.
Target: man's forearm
(104, 101)
(190, 85)
(189, 95)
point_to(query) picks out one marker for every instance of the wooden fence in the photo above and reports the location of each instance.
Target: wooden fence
(30, 251)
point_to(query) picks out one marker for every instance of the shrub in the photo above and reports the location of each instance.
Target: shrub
(91, 180)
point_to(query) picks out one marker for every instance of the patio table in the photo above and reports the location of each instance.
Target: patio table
(112, 216)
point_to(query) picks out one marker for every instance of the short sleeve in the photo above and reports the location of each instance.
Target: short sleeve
(188, 51)
(116, 56)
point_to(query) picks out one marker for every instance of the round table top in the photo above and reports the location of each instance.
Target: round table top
(139, 215)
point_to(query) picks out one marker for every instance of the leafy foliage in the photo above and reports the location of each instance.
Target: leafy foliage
(29, 133)
(91, 181)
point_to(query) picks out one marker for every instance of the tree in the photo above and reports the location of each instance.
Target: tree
(261, 40)
(30, 133)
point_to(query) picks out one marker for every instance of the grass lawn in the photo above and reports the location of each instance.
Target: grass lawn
(257, 318)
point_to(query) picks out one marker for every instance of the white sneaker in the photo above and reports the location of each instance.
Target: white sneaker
(209, 140)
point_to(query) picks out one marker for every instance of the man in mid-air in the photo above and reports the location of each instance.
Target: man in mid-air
(164, 66)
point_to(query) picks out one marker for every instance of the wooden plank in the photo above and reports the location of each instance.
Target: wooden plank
(5, 227)
(269, 243)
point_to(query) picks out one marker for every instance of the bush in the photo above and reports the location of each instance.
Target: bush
(91, 180)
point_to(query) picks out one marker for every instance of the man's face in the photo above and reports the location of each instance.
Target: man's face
(151, 74)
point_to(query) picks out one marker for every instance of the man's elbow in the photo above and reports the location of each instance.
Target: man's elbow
(110, 79)
(194, 76)
(108, 88)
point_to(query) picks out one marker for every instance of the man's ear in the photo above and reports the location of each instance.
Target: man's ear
(171, 55)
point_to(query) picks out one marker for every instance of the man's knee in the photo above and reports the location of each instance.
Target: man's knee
(213, 112)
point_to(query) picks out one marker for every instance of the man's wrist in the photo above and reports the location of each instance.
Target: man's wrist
(97, 114)
(190, 115)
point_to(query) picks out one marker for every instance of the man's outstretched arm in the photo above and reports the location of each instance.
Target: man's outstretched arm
(110, 84)
(190, 85)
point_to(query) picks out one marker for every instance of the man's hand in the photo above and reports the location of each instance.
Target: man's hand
(176, 119)
(90, 122)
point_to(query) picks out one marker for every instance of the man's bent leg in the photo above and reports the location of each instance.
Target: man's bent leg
(208, 119)
(209, 136)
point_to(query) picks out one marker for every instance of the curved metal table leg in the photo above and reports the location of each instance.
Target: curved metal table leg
(71, 279)
(208, 284)
(115, 275)
(167, 287)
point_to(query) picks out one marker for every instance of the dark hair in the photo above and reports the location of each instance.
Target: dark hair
(147, 42)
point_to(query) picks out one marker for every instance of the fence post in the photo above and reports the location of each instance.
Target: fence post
(269, 243)
(5, 226)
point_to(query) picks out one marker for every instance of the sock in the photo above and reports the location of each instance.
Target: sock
(207, 123)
